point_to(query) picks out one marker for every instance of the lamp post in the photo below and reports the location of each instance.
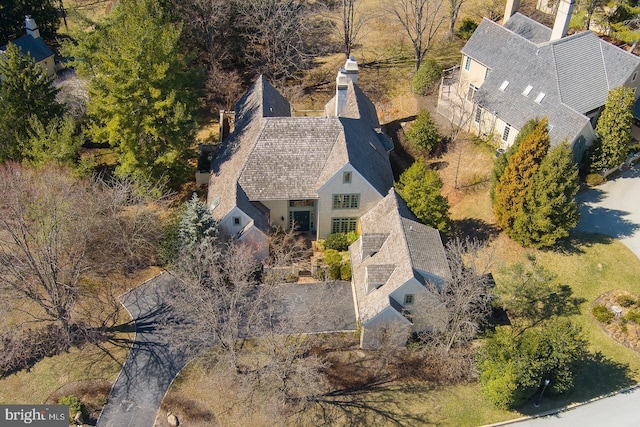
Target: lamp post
(537, 402)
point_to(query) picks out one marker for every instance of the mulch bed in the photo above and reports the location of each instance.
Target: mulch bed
(624, 332)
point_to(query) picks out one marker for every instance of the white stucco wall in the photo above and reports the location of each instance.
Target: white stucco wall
(277, 211)
(227, 223)
(388, 322)
(368, 198)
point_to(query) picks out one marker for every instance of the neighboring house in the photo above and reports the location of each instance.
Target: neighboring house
(394, 261)
(313, 174)
(521, 70)
(31, 44)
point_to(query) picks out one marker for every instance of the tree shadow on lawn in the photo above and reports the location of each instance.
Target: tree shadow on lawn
(577, 241)
(474, 228)
(599, 376)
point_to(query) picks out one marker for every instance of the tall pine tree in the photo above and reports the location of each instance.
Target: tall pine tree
(614, 129)
(26, 94)
(512, 188)
(550, 209)
(141, 90)
(196, 225)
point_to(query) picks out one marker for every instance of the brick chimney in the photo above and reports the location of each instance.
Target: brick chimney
(32, 28)
(511, 7)
(561, 25)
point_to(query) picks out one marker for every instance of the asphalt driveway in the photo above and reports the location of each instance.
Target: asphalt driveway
(613, 209)
(151, 365)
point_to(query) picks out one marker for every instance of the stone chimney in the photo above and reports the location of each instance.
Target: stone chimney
(32, 28)
(342, 82)
(560, 27)
(351, 69)
(511, 8)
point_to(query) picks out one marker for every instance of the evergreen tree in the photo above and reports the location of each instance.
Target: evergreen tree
(196, 225)
(513, 185)
(423, 133)
(421, 188)
(614, 129)
(550, 209)
(26, 93)
(141, 92)
(503, 159)
(514, 367)
(56, 142)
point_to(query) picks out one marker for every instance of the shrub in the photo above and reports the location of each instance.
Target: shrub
(74, 403)
(423, 133)
(352, 236)
(337, 241)
(594, 179)
(320, 274)
(334, 271)
(602, 313)
(467, 28)
(633, 316)
(331, 257)
(625, 300)
(345, 271)
(426, 78)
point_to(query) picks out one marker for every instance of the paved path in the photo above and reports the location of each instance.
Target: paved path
(151, 364)
(613, 209)
(620, 410)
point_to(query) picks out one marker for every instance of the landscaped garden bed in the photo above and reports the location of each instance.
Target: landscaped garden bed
(618, 313)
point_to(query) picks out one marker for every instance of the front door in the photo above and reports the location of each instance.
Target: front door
(301, 220)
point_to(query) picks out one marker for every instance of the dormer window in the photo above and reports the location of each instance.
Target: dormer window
(527, 90)
(504, 85)
(540, 97)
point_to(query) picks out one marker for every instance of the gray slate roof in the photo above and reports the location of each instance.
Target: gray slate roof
(35, 47)
(575, 73)
(409, 246)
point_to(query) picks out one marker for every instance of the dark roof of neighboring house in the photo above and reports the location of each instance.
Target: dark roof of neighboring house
(35, 47)
(396, 247)
(574, 73)
(273, 156)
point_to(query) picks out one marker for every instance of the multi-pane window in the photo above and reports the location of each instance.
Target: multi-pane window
(343, 225)
(505, 133)
(467, 63)
(408, 299)
(471, 92)
(346, 201)
(478, 115)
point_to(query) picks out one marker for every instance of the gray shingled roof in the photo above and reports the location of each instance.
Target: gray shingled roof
(371, 243)
(528, 28)
(272, 156)
(35, 47)
(575, 74)
(409, 247)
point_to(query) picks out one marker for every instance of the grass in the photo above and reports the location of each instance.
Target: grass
(48, 375)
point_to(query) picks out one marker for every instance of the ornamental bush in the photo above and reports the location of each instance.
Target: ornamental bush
(74, 403)
(337, 241)
(602, 314)
(426, 78)
(423, 133)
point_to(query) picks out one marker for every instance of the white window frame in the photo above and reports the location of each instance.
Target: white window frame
(237, 221)
(346, 201)
(478, 116)
(343, 225)
(505, 132)
(471, 92)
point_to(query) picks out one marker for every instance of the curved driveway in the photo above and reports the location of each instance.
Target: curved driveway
(613, 209)
(151, 364)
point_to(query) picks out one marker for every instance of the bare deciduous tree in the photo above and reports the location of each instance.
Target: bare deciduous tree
(466, 297)
(421, 20)
(353, 22)
(454, 11)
